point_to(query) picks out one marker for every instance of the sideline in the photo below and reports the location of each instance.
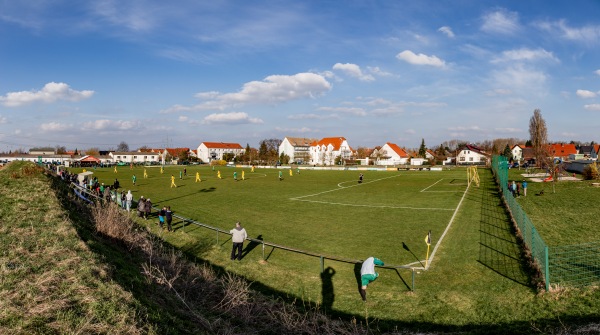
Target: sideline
(439, 242)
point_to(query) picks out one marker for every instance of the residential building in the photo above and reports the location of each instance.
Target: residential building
(297, 148)
(42, 151)
(135, 157)
(561, 151)
(208, 151)
(390, 154)
(472, 155)
(517, 152)
(325, 151)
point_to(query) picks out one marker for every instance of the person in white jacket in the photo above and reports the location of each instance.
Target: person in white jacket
(238, 235)
(128, 200)
(368, 274)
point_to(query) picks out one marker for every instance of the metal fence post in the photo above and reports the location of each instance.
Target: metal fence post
(413, 280)
(217, 237)
(322, 264)
(533, 242)
(263, 250)
(547, 272)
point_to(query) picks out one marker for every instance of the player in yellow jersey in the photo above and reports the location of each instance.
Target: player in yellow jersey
(198, 177)
(173, 181)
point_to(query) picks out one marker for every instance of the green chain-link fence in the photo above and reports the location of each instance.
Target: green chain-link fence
(572, 265)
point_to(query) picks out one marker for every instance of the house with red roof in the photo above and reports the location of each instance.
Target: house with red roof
(208, 151)
(390, 154)
(325, 151)
(561, 150)
(297, 148)
(472, 155)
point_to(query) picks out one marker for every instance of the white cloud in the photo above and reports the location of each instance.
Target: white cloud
(230, 118)
(312, 116)
(410, 131)
(597, 72)
(279, 88)
(273, 89)
(587, 35)
(447, 30)
(346, 110)
(470, 128)
(518, 77)
(585, 94)
(498, 91)
(592, 107)
(302, 130)
(353, 70)
(50, 93)
(378, 72)
(525, 54)
(508, 130)
(420, 59)
(55, 126)
(183, 118)
(207, 95)
(110, 125)
(501, 22)
(3, 119)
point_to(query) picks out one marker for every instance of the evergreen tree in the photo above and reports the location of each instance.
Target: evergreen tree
(507, 153)
(422, 148)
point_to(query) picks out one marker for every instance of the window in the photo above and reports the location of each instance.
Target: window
(470, 159)
(462, 159)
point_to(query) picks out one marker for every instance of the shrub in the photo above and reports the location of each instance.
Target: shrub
(590, 172)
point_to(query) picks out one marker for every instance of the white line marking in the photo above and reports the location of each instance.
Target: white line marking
(341, 188)
(374, 206)
(439, 242)
(426, 188)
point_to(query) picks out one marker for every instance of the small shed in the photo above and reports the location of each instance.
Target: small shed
(81, 176)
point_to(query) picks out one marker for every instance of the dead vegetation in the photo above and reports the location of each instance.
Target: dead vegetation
(217, 304)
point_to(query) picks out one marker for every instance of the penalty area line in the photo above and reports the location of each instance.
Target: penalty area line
(341, 188)
(374, 206)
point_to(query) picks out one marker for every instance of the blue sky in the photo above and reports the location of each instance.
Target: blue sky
(176, 73)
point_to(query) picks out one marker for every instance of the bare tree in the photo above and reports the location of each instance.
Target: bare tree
(123, 147)
(93, 151)
(538, 135)
(61, 150)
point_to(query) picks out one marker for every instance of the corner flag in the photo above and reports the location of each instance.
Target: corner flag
(428, 241)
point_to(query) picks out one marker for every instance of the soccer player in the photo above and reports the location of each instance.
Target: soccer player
(219, 174)
(243, 175)
(161, 170)
(252, 169)
(291, 173)
(173, 181)
(133, 178)
(235, 175)
(280, 175)
(368, 274)
(115, 170)
(198, 177)
(145, 173)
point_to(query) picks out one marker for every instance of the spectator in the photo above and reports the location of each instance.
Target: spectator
(368, 274)
(238, 235)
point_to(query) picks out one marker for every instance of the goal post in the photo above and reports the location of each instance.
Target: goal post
(472, 175)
